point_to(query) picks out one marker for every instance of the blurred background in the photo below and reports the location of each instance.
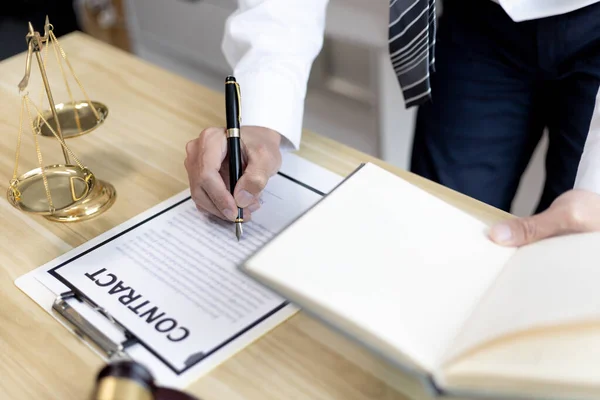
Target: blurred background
(353, 96)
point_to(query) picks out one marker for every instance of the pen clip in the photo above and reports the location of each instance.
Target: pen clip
(239, 99)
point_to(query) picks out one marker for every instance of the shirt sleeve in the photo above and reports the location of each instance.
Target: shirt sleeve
(588, 173)
(271, 45)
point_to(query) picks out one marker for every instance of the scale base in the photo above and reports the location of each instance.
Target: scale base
(100, 199)
(76, 193)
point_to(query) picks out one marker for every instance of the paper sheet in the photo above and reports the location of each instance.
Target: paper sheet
(169, 275)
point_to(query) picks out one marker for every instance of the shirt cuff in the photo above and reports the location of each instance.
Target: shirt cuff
(588, 173)
(272, 101)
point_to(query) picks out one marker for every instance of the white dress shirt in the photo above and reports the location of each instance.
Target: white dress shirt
(523, 10)
(271, 45)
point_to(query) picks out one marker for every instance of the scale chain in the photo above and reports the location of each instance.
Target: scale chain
(79, 164)
(62, 70)
(64, 56)
(39, 155)
(13, 181)
(44, 58)
(16, 170)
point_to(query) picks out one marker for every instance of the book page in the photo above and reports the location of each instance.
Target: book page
(172, 279)
(560, 363)
(546, 285)
(388, 263)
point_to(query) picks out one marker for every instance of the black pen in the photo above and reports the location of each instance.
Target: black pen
(233, 112)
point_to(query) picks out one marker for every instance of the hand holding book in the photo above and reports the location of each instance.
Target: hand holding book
(575, 211)
(419, 281)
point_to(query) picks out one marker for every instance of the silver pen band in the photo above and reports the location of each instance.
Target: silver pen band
(233, 132)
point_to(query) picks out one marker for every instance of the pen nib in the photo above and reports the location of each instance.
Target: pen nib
(238, 230)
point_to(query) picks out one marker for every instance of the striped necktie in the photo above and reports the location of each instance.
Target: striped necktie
(411, 44)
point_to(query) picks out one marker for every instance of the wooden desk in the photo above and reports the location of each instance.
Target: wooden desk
(140, 150)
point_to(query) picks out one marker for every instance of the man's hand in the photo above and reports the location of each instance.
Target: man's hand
(575, 211)
(208, 173)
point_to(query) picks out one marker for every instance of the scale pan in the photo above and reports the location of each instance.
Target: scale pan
(68, 186)
(68, 121)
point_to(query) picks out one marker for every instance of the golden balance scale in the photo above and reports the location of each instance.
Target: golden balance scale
(66, 192)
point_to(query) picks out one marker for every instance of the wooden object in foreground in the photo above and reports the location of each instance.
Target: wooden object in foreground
(140, 150)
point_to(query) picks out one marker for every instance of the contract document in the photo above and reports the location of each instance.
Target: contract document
(168, 279)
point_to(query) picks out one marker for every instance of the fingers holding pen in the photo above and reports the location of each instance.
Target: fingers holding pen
(204, 157)
(215, 189)
(207, 167)
(261, 148)
(247, 211)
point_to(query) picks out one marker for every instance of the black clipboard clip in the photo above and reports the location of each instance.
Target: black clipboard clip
(88, 332)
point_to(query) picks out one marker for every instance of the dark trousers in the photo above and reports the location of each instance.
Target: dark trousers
(497, 85)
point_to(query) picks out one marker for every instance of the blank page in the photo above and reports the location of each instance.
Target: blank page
(385, 261)
(549, 364)
(551, 283)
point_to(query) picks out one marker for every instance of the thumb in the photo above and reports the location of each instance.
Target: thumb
(521, 231)
(251, 183)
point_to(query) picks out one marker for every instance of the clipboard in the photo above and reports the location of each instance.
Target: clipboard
(112, 340)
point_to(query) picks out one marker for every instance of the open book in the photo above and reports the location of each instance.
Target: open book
(420, 282)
